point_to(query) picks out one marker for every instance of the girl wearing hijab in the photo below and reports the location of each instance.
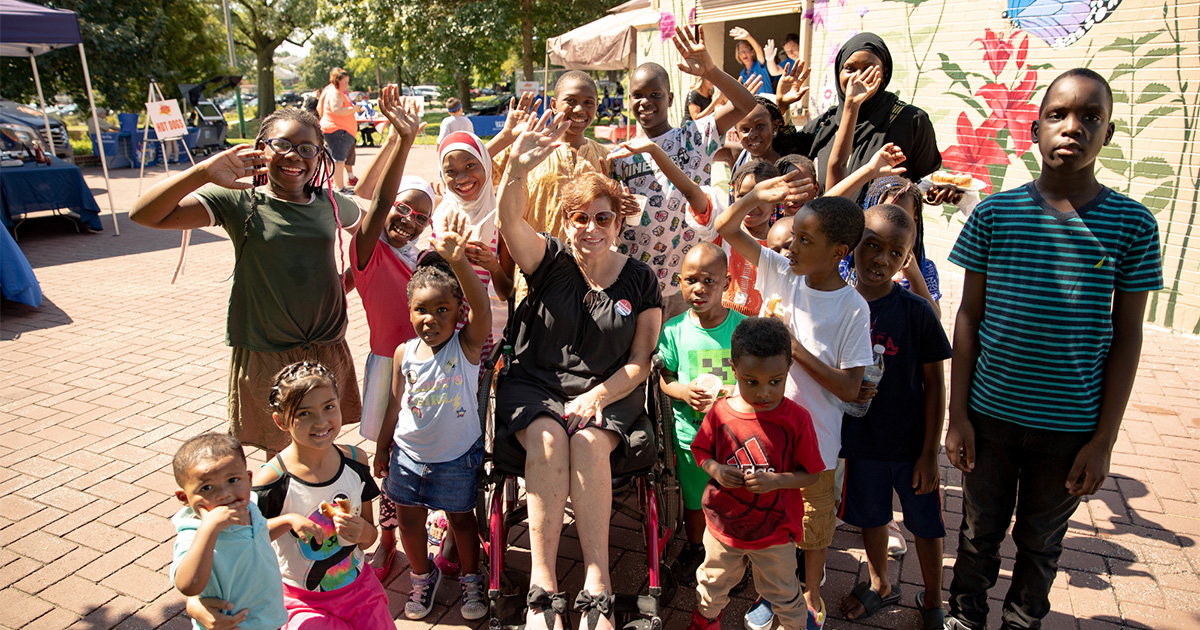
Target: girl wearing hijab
(864, 67)
(466, 170)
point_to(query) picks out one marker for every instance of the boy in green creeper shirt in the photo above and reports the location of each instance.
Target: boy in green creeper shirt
(693, 343)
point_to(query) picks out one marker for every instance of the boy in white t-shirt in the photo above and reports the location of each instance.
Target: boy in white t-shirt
(664, 234)
(831, 325)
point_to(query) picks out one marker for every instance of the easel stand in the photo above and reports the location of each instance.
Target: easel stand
(154, 95)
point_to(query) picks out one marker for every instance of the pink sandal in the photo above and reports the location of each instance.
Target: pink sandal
(443, 563)
(383, 572)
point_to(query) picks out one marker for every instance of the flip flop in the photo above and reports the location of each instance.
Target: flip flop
(871, 601)
(931, 619)
(385, 570)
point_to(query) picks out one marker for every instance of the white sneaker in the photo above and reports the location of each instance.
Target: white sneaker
(424, 587)
(474, 604)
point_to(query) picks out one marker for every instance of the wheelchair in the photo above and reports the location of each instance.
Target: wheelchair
(648, 474)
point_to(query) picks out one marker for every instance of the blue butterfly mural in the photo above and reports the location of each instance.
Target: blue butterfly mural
(1059, 23)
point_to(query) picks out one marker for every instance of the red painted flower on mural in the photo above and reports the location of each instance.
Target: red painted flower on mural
(1011, 110)
(976, 149)
(997, 50)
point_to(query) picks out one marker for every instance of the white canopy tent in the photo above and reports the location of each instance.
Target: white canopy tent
(609, 43)
(29, 30)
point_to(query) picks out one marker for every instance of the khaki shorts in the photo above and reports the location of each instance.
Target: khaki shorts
(252, 374)
(819, 510)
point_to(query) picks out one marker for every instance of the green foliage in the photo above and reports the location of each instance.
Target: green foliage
(175, 41)
(325, 54)
(261, 26)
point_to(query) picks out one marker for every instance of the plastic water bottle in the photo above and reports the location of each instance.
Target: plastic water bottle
(872, 374)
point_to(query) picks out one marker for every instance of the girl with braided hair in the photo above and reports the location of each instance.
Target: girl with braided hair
(287, 303)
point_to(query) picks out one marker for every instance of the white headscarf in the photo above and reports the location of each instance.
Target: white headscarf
(483, 209)
(412, 182)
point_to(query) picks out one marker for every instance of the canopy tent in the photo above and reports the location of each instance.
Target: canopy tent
(606, 44)
(29, 30)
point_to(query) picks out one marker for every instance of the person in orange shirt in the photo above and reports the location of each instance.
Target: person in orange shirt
(338, 123)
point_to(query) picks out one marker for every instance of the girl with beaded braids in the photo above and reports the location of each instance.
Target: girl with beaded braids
(287, 303)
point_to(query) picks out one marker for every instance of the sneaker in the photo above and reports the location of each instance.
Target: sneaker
(760, 616)
(353, 181)
(424, 587)
(816, 620)
(700, 622)
(474, 605)
(689, 559)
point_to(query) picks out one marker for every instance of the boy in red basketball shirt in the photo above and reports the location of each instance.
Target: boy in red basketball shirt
(758, 447)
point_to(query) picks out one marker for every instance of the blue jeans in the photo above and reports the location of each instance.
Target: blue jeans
(1026, 469)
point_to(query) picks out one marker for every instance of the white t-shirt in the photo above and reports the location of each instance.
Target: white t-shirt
(833, 325)
(450, 124)
(664, 234)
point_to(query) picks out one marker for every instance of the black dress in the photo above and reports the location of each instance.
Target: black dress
(570, 339)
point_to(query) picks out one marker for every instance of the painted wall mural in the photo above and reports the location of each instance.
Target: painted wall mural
(980, 70)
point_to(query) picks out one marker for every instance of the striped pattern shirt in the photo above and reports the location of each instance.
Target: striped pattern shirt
(1047, 318)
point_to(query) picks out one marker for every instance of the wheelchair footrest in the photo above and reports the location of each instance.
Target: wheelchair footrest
(624, 603)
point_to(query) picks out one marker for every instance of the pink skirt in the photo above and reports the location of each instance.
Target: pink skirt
(361, 606)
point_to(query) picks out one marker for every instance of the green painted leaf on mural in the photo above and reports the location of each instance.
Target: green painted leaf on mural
(1039, 66)
(1120, 43)
(1147, 37)
(1113, 158)
(919, 35)
(1153, 167)
(1155, 114)
(1153, 92)
(1120, 96)
(1158, 198)
(1154, 56)
(1121, 125)
(1120, 70)
(973, 103)
(954, 71)
(1031, 163)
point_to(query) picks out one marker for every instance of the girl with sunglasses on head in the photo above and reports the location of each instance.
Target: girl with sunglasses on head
(573, 391)
(382, 261)
(287, 303)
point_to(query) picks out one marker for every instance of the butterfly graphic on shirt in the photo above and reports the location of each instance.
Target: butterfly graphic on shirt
(1059, 23)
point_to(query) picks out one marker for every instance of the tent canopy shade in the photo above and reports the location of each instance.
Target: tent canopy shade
(29, 26)
(605, 44)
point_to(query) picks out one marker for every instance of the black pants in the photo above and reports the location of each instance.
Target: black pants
(1026, 469)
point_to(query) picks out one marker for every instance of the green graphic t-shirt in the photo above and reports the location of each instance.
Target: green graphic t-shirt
(689, 351)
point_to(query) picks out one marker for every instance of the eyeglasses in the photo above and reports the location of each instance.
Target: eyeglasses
(581, 219)
(418, 219)
(282, 146)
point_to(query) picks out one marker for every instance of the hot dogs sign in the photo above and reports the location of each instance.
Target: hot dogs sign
(167, 121)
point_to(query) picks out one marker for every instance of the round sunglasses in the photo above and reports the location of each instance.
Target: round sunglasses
(581, 219)
(283, 146)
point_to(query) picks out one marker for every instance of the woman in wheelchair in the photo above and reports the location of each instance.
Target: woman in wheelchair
(584, 337)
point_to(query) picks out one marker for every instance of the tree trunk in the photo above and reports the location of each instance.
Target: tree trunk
(265, 54)
(462, 81)
(527, 39)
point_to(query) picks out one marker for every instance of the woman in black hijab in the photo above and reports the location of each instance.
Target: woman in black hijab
(883, 118)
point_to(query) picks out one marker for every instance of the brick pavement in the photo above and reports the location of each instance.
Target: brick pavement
(99, 386)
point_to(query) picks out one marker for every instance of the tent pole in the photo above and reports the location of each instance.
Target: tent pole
(806, 54)
(87, 80)
(41, 99)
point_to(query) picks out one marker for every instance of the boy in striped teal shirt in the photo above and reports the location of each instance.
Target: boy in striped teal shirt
(1046, 347)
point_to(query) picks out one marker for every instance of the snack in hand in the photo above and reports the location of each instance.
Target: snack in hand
(329, 511)
(950, 179)
(772, 306)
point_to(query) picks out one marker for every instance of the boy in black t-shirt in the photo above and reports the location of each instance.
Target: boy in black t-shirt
(895, 446)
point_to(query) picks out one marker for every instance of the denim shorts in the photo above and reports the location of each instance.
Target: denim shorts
(339, 143)
(450, 486)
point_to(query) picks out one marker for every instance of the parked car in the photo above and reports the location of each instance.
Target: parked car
(289, 99)
(429, 92)
(31, 117)
(495, 106)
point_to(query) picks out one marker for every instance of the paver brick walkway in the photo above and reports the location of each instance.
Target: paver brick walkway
(100, 385)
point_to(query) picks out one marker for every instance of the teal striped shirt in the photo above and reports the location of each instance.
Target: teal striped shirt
(1047, 317)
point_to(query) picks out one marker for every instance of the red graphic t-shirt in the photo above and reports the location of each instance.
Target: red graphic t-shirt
(780, 440)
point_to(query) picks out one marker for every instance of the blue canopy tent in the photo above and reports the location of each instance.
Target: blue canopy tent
(28, 29)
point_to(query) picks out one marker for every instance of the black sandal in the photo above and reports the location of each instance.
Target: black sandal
(593, 606)
(539, 601)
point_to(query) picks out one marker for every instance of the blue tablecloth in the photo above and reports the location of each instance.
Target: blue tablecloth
(17, 281)
(35, 187)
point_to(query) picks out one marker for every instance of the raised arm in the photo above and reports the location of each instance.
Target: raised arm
(792, 88)
(520, 114)
(526, 246)
(697, 62)
(697, 200)
(452, 245)
(885, 162)
(742, 34)
(167, 206)
(771, 53)
(790, 187)
(402, 113)
(960, 435)
(861, 87)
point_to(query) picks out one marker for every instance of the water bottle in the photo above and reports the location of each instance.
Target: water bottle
(872, 374)
(506, 356)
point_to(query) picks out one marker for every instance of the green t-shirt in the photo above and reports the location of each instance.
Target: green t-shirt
(287, 291)
(689, 351)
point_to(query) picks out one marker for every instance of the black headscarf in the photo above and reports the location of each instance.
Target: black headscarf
(882, 119)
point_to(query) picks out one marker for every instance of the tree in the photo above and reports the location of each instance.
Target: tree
(175, 41)
(325, 54)
(543, 19)
(263, 25)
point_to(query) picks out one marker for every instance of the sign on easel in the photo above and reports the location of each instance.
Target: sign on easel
(167, 119)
